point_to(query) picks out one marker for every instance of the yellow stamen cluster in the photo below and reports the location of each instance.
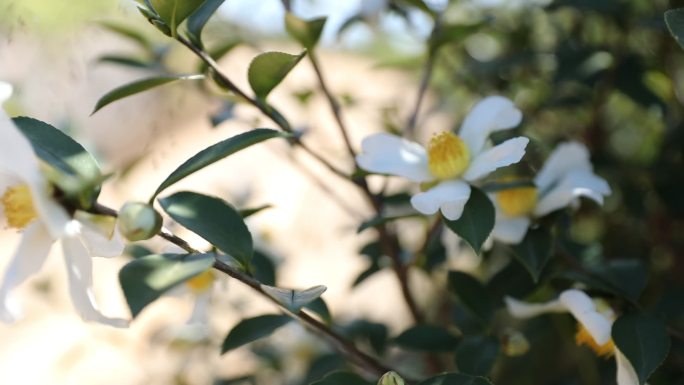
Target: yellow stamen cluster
(201, 283)
(582, 337)
(448, 156)
(18, 206)
(517, 202)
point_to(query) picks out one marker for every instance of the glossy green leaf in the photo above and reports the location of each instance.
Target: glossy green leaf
(129, 61)
(342, 378)
(173, 12)
(476, 355)
(644, 340)
(372, 332)
(456, 379)
(199, 18)
(58, 149)
(477, 220)
(534, 251)
(212, 219)
(217, 152)
(472, 294)
(264, 269)
(147, 278)
(139, 86)
(319, 307)
(306, 32)
(628, 276)
(294, 300)
(252, 329)
(248, 212)
(267, 70)
(674, 19)
(426, 337)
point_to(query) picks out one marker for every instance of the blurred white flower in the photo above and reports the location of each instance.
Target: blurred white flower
(595, 320)
(449, 162)
(565, 177)
(28, 205)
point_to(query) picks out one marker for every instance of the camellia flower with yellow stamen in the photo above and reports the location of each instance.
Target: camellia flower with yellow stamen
(28, 205)
(450, 162)
(565, 177)
(595, 320)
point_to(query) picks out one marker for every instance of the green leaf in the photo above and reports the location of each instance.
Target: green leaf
(342, 378)
(267, 70)
(477, 220)
(534, 251)
(252, 329)
(306, 32)
(139, 86)
(294, 300)
(129, 33)
(426, 337)
(199, 18)
(643, 339)
(476, 355)
(128, 61)
(374, 333)
(212, 219)
(674, 19)
(319, 307)
(420, 4)
(627, 276)
(58, 149)
(472, 294)
(248, 212)
(264, 268)
(217, 152)
(173, 12)
(380, 220)
(452, 33)
(456, 379)
(147, 278)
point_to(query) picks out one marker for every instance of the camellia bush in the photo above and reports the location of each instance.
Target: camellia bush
(564, 176)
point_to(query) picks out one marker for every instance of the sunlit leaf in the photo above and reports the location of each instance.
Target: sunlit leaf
(306, 32)
(199, 18)
(269, 69)
(173, 12)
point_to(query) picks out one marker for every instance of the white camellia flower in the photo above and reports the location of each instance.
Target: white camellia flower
(449, 162)
(565, 177)
(27, 204)
(595, 320)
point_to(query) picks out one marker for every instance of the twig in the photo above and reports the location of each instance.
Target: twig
(422, 90)
(360, 358)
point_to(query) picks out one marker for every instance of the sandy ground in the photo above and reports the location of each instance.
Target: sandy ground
(311, 234)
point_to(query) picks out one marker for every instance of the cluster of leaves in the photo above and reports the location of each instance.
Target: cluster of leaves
(604, 86)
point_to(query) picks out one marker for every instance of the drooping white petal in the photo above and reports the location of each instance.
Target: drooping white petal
(389, 154)
(99, 245)
(493, 113)
(510, 230)
(501, 155)
(575, 184)
(584, 310)
(29, 257)
(79, 268)
(565, 158)
(5, 91)
(450, 196)
(626, 375)
(521, 309)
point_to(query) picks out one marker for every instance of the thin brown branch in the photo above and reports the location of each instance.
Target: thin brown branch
(422, 90)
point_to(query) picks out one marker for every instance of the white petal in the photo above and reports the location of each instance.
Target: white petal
(626, 375)
(200, 311)
(565, 158)
(450, 196)
(491, 114)
(98, 244)
(510, 230)
(79, 268)
(389, 154)
(5, 91)
(584, 310)
(51, 213)
(575, 184)
(520, 309)
(29, 257)
(501, 155)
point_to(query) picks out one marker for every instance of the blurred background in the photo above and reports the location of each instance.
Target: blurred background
(605, 72)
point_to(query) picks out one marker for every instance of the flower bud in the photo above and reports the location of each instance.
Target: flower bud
(391, 378)
(138, 221)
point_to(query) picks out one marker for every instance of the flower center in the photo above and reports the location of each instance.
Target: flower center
(18, 206)
(448, 155)
(517, 202)
(582, 337)
(201, 283)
